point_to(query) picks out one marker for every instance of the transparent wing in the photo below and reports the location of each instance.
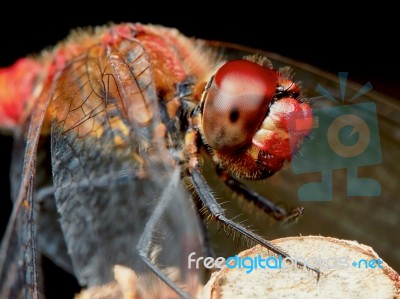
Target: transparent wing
(18, 257)
(18, 262)
(109, 169)
(109, 173)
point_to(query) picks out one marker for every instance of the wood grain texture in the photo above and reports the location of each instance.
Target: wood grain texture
(293, 282)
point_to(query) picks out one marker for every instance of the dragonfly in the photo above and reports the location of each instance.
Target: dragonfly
(115, 106)
(110, 128)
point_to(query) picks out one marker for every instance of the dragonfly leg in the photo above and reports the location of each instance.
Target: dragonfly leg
(209, 201)
(275, 211)
(207, 198)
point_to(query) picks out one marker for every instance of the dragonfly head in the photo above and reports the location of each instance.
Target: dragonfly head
(247, 112)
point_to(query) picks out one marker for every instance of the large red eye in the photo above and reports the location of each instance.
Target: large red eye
(236, 103)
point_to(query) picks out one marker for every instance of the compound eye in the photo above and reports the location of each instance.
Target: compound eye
(236, 103)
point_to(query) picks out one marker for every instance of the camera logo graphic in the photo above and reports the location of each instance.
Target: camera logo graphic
(344, 136)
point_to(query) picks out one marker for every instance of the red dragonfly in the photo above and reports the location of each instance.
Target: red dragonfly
(112, 124)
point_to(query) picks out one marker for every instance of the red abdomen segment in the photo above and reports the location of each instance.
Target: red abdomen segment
(17, 86)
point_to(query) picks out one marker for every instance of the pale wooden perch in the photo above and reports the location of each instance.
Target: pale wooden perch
(294, 282)
(348, 282)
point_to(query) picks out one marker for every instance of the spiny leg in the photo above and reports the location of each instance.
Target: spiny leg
(209, 201)
(207, 198)
(275, 211)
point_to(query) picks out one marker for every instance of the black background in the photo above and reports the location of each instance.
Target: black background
(330, 36)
